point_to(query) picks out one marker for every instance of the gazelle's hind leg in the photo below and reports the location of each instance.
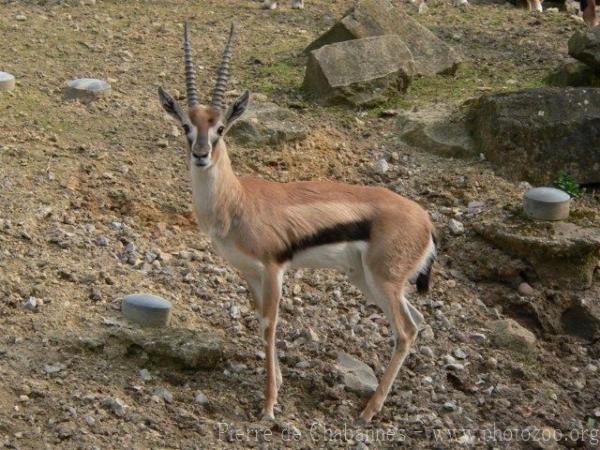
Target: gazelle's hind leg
(404, 320)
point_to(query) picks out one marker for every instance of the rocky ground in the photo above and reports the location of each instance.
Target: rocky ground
(95, 204)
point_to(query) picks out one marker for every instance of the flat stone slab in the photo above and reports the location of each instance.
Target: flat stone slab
(359, 72)
(7, 81)
(436, 130)
(381, 17)
(563, 254)
(168, 346)
(356, 375)
(147, 310)
(87, 89)
(265, 123)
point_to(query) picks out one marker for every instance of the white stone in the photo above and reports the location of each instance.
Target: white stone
(201, 398)
(456, 227)
(86, 89)
(382, 166)
(7, 81)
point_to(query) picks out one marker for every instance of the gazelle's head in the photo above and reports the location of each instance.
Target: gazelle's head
(204, 126)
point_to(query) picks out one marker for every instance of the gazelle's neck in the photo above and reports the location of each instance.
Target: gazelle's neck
(217, 193)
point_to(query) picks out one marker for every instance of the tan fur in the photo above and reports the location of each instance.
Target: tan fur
(252, 220)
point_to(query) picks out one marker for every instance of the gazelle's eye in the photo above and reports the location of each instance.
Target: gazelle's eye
(186, 128)
(220, 130)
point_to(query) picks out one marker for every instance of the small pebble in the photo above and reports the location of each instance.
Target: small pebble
(163, 394)
(116, 405)
(31, 303)
(459, 353)
(234, 312)
(450, 406)
(102, 241)
(201, 398)
(303, 365)
(456, 227)
(382, 166)
(427, 351)
(478, 338)
(145, 375)
(526, 290)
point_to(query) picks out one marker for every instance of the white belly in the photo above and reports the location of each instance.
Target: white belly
(344, 256)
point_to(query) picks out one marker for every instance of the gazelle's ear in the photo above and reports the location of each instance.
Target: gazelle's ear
(236, 110)
(172, 107)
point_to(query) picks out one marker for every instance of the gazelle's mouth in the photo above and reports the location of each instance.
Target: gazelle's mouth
(203, 161)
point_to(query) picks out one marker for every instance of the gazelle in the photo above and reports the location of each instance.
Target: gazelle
(272, 4)
(378, 238)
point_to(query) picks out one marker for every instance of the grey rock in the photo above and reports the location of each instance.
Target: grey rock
(535, 134)
(427, 351)
(456, 227)
(102, 241)
(265, 123)
(584, 45)
(303, 365)
(573, 73)
(52, 369)
(116, 406)
(478, 338)
(163, 394)
(356, 375)
(182, 347)
(360, 72)
(380, 17)
(507, 333)
(525, 289)
(145, 375)
(201, 398)
(146, 310)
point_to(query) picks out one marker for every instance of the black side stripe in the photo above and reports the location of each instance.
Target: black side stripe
(342, 232)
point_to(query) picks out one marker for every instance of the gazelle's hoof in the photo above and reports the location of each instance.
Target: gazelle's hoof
(269, 4)
(361, 422)
(267, 417)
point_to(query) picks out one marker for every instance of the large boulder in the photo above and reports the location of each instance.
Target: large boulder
(379, 17)
(536, 133)
(359, 72)
(265, 123)
(573, 73)
(584, 45)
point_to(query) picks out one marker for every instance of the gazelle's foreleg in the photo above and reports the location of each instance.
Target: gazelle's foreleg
(268, 312)
(588, 8)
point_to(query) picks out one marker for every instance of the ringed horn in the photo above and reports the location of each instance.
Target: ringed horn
(222, 75)
(190, 76)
